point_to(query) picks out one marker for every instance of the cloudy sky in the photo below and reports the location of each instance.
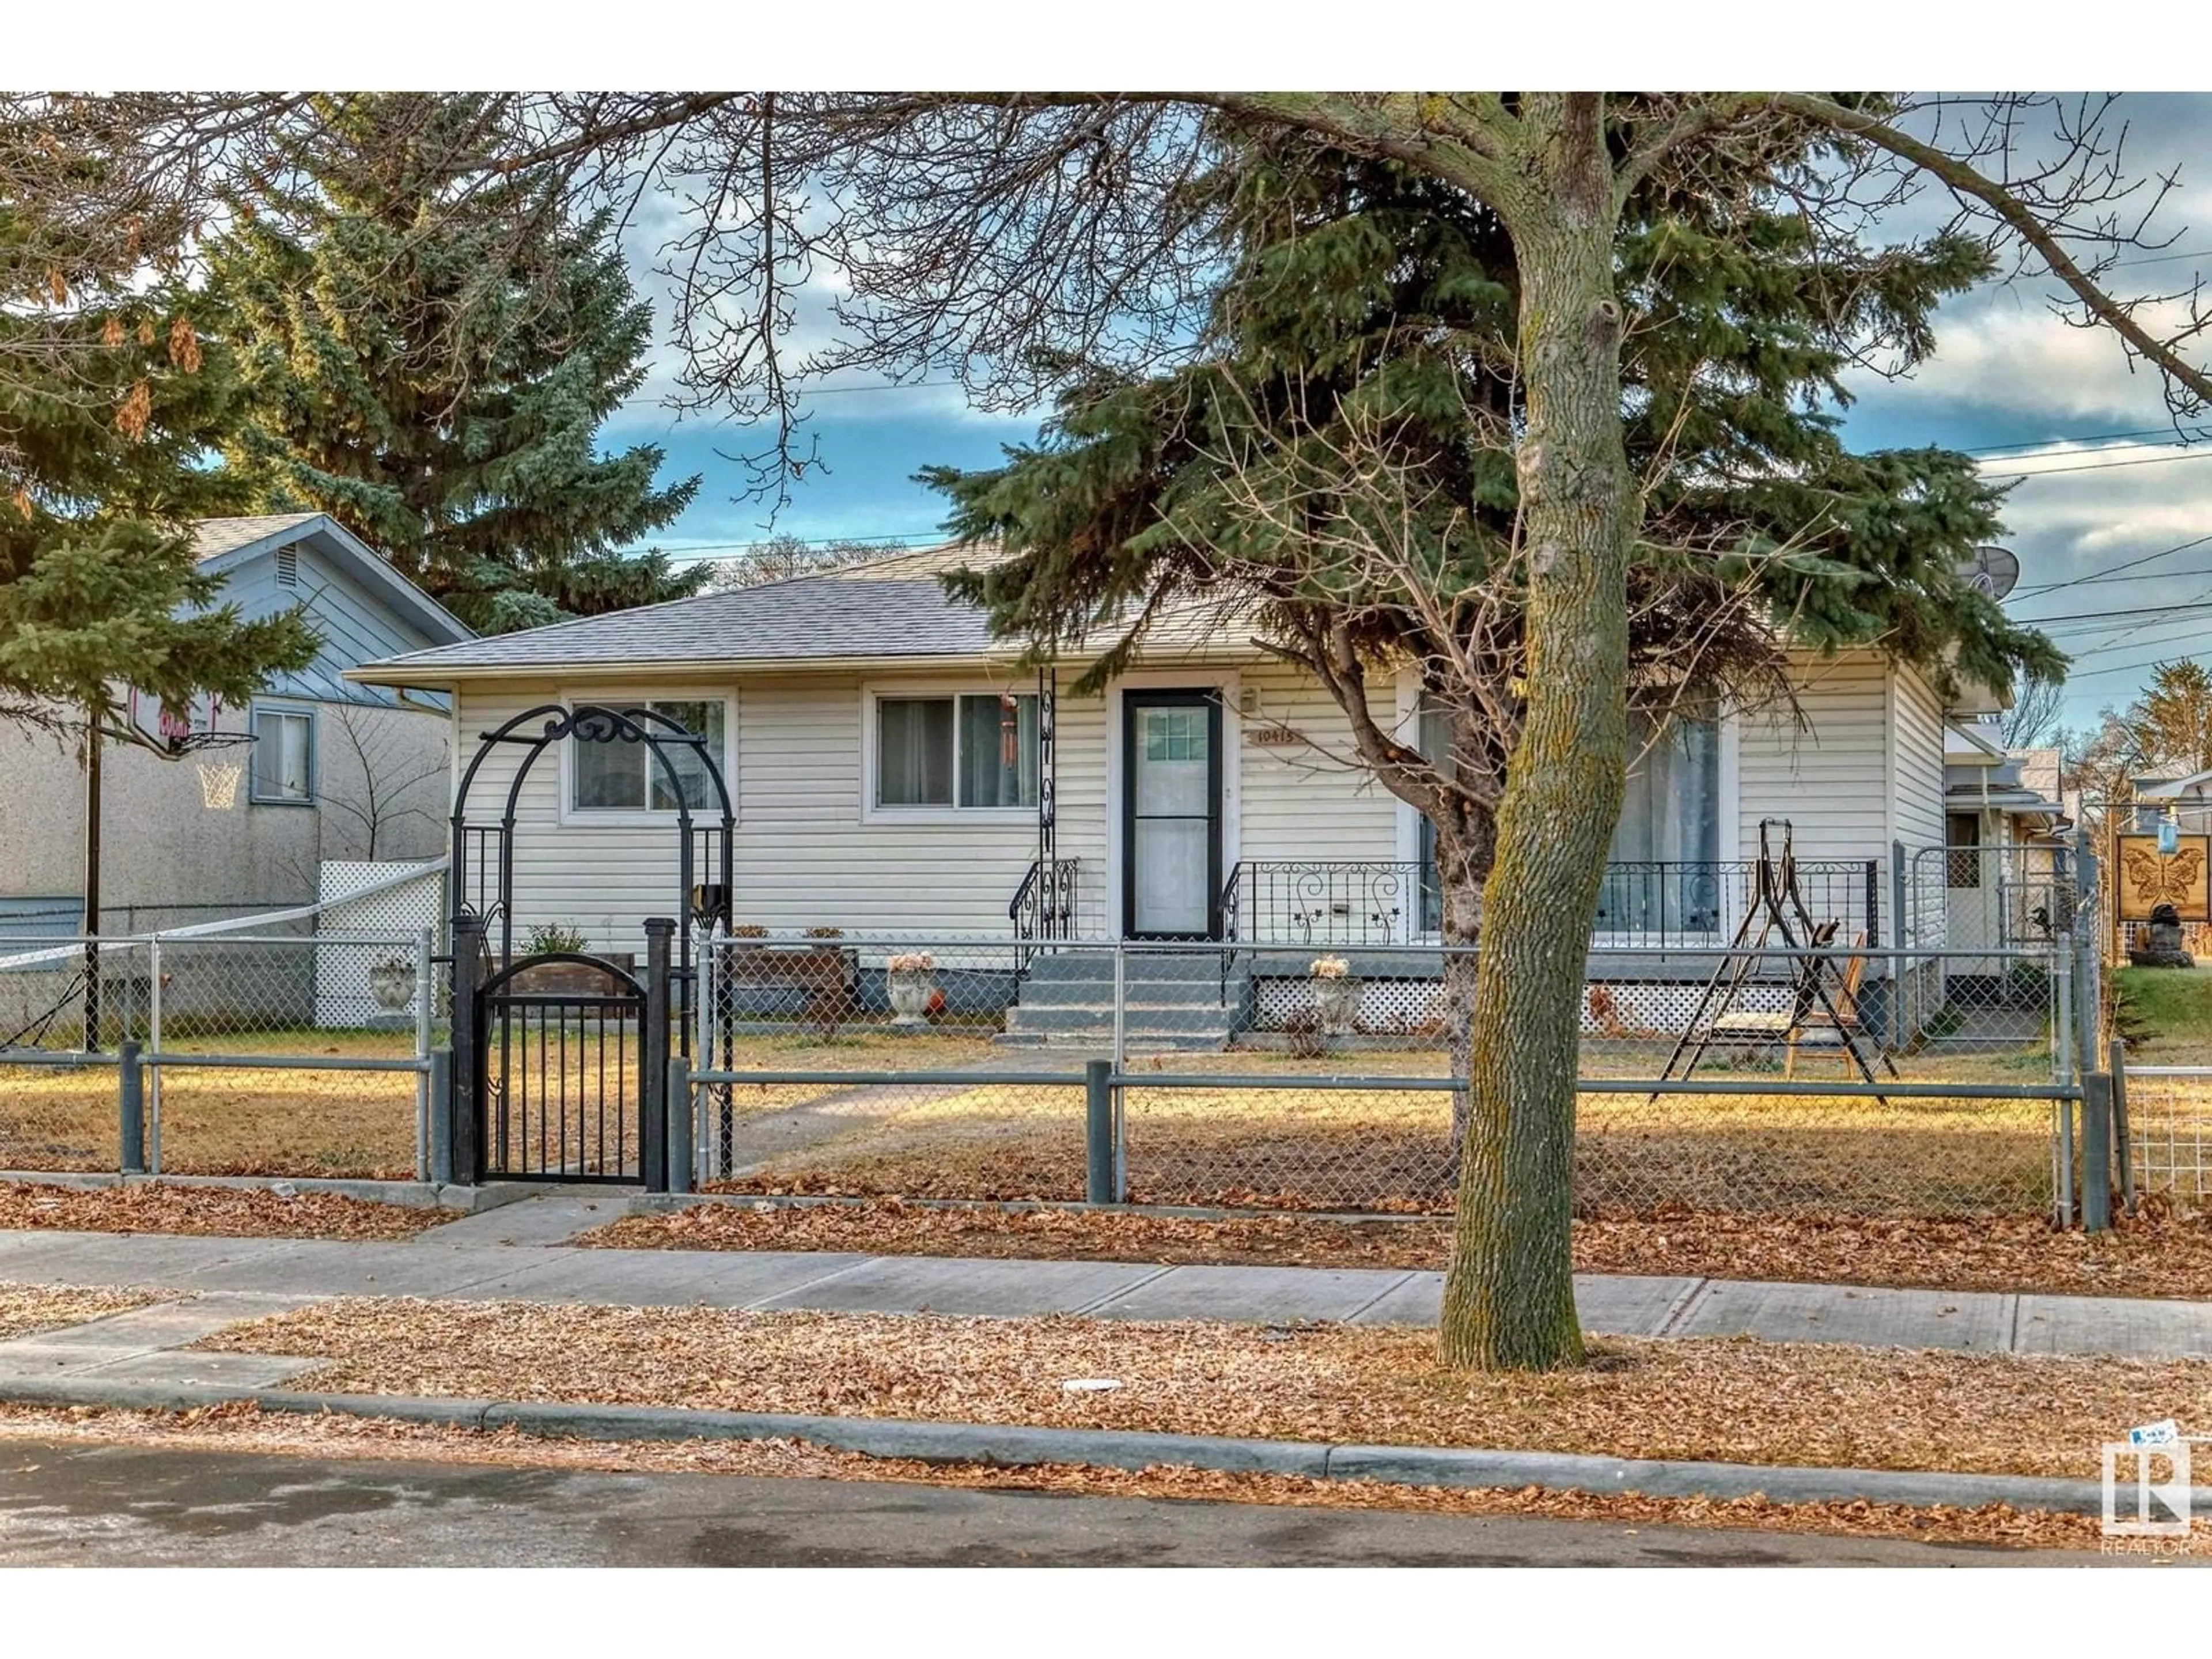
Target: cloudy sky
(2105, 486)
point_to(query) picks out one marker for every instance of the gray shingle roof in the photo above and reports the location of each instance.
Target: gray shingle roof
(825, 618)
(211, 537)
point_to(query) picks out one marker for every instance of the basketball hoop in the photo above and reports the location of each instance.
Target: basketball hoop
(219, 784)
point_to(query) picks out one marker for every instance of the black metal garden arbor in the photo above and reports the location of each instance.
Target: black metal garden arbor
(560, 1058)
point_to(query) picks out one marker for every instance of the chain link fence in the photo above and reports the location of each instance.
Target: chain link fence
(1840, 1079)
(271, 1053)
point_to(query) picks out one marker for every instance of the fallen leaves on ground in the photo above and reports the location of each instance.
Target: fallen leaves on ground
(2159, 1255)
(1733, 1400)
(242, 1428)
(28, 1309)
(228, 1211)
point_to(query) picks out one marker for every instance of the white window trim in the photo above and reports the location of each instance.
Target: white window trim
(630, 818)
(874, 692)
(307, 711)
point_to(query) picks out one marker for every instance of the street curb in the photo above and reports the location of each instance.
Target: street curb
(1012, 1445)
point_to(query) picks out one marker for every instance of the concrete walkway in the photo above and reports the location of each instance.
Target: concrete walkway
(513, 1252)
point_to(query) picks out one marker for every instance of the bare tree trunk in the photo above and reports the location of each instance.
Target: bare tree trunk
(1509, 1297)
(1464, 859)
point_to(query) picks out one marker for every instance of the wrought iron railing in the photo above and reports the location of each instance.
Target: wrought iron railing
(1654, 902)
(1045, 906)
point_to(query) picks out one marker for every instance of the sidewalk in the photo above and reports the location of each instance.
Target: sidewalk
(473, 1260)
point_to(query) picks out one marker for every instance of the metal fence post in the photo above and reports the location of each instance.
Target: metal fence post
(652, 1045)
(2122, 1148)
(425, 993)
(153, 1047)
(1120, 1005)
(2063, 1071)
(1098, 1136)
(679, 1140)
(440, 1077)
(2096, 1151)
(130, 1089)
(465, 1155)
(2089, 991)
(1904, 1021)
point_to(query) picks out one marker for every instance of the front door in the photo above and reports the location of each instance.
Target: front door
(1171, 803)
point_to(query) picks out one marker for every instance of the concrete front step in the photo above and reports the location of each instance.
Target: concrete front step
(1095, 975)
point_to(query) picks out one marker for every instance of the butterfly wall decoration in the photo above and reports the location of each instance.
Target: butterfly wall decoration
(2149, 878)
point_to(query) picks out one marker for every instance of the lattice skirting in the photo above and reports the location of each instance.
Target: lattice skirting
(1414, 1007)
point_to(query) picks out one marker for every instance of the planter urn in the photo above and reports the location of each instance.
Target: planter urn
(910, 991)
(1336, 1001)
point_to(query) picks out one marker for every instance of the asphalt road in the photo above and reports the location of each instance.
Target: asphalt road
(127, 1506)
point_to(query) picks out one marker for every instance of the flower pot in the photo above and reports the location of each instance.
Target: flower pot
(1336, 1001)
(910, 991)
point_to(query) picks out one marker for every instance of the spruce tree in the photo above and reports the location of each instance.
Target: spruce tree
(108, 425)
(1336, 464)
(432, 368)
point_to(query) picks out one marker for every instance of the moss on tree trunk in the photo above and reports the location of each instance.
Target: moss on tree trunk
(1509, 1297)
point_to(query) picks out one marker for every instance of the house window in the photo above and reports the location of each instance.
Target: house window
(1962, 865)
(283, 756)
(619, 773)
(970, 752)
(1662, 875)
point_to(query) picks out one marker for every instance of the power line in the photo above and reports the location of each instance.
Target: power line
(2137, 667)
(2104, 467)
(2107, 575)
(2087, 617)
(2072, 438)
(894, 538)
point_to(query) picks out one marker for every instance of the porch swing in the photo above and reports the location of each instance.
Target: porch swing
(1823, 995)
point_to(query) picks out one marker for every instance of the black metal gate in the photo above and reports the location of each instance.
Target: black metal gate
(567, 1068)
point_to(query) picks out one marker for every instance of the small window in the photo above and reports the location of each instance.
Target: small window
(284, 756)
(968, 752)
(1962, 865)
(618, 773)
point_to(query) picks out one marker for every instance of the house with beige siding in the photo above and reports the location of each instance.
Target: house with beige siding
(894, 773)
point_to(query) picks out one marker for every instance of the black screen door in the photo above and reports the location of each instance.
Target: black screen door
(1171, 830)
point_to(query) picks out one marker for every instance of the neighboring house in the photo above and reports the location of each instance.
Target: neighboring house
(335, 768)
(2184, 797)
(891, 777)
(2004, 842)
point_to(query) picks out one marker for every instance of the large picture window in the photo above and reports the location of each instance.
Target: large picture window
(1661, 873)
(971, 751)
(619, 774)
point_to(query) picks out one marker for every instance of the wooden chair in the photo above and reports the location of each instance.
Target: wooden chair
(1811, 1017)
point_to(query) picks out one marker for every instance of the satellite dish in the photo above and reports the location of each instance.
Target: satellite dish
(1994, 570)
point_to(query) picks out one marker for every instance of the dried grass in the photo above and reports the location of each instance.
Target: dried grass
(26, 1309)
(227, 1212)
(241, 1428)
(1735, 1400)
(1386, 1150)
